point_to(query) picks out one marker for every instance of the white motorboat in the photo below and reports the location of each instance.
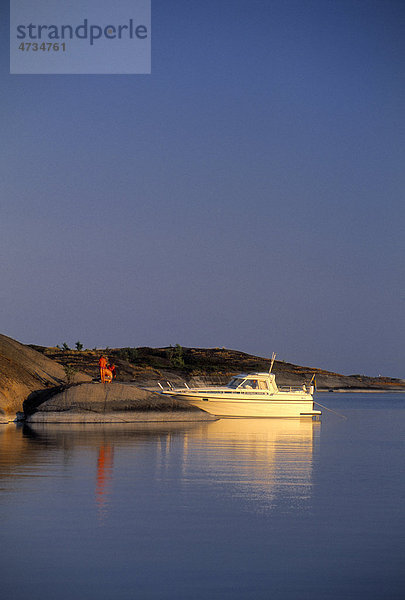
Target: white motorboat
(250, 395)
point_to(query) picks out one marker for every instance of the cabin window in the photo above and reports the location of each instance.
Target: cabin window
(250, 384)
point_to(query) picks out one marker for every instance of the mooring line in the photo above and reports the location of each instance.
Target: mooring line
(330, 410)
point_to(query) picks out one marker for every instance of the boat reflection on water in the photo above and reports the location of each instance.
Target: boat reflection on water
(263, 462)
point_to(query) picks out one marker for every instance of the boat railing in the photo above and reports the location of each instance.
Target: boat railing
(292, 388)
(168, 386)
(226, 390)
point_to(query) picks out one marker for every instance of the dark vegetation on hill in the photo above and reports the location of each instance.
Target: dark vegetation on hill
(147, 366)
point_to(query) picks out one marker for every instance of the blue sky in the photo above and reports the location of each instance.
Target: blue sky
(247, 194)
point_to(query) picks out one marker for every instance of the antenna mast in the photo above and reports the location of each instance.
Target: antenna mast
(273, 358)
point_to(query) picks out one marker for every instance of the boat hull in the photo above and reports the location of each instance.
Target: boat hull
(243, 407)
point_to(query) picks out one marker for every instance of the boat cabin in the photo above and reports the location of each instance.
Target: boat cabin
(265, 382)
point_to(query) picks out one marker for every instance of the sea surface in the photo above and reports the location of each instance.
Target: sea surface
(233, 509)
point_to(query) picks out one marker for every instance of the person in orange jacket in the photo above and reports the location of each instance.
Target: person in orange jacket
(102, 363)
(111, 366)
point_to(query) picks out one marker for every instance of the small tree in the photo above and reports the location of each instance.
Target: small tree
(79, 346)
(65, 347)
(133, 355)
(70, 373)
(129, 354)
(176, 356)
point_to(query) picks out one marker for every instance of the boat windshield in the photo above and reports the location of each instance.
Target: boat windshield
(235, 382)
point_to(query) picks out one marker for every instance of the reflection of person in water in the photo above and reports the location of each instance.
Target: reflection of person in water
(105, 463)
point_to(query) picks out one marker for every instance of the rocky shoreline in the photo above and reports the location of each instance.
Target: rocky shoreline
(53, 385)
(108, 403)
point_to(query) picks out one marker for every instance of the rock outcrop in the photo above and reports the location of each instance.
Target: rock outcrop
(24, 371)
(107, 403)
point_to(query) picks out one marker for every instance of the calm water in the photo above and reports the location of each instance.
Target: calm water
(262, 509)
